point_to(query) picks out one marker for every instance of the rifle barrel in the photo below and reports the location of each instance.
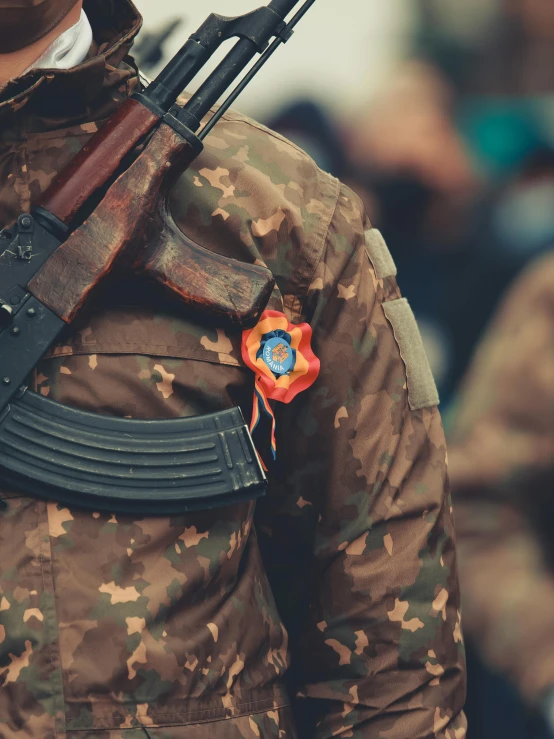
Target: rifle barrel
(179, 72)
(217, 83)
(224, 107)
(201, 45)
(236, 62)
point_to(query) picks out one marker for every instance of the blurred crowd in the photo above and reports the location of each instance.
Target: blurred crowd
(454, 160)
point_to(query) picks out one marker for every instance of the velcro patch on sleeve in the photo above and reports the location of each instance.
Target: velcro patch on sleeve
(422, 390)
(379, 254)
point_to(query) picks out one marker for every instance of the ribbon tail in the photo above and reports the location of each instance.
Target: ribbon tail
(273, 438)
(255, 412)
(269, 412)
(262, 403)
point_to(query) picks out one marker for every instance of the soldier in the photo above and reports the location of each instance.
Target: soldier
(502, 447)
(328, 609)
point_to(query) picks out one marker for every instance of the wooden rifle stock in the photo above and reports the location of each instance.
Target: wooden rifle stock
(99, 160)
(132, 227)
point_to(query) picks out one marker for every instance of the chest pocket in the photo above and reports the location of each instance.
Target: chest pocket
(140, 363)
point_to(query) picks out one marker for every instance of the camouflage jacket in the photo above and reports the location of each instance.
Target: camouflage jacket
(501, 452)
(328, 609)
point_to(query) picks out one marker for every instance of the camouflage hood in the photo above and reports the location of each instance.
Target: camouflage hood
(329, 608)
(43, 99)
(46, 116)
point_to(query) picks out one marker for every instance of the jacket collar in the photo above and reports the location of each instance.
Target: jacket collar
(86, 92)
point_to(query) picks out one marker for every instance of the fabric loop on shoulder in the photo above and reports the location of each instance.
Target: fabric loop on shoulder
(422, 390)
(379, 254)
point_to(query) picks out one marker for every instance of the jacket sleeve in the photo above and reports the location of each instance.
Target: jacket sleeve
(503, 426)
(357, 531)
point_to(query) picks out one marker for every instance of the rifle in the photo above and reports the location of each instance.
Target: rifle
(108, 209)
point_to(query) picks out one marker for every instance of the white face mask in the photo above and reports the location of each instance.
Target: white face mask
(69, 49)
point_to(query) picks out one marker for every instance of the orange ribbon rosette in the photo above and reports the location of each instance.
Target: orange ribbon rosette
(281, 356)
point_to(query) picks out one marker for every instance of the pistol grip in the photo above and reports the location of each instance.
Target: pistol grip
(131, 227)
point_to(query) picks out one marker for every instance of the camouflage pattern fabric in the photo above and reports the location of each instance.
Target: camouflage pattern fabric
(503, 430)
(331, 607)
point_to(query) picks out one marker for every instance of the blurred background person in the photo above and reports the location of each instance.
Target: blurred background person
(501, 461)
(454, 158)
(502, 431)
